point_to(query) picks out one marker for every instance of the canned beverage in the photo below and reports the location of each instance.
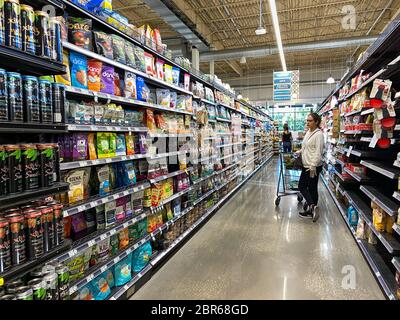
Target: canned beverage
(17, 236)
(2, 26)
(30, 166)
(13, 211)
(4, 113)
(14, 82)
(51, 282)
(14, 159)
(24, 293)
(5, 257)
(59, 224)
(31, 98)
(27, 29)
(46, 159)
(28, 207)
(12, 10)
(42, 34)
(5, 243)
(58, 97)
(8, 297)
(12, 287)
(45, 101)
(39, 288)
(55, 40)
(56, 161)
(38, 273)
(63, 281)
(34, 234)
(4, 172)
(48, 227)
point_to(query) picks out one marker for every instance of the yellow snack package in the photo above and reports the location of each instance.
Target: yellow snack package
(65, 78)
(92, 146)
(75, 179)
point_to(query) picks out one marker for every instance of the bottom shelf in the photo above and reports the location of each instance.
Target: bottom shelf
(128, 290)
(378, 266)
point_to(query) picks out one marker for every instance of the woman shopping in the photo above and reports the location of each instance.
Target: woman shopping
(287, 139)
(311, 156)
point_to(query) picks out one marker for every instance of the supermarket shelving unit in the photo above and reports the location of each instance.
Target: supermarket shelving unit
(380, 183)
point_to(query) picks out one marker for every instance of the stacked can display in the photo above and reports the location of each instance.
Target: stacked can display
(26, 233)
(50, 282)
(29, 99)
(31, 31)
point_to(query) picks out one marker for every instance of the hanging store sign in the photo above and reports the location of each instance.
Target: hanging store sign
(286, 85)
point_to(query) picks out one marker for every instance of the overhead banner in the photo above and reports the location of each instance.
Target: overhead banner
(286, 85)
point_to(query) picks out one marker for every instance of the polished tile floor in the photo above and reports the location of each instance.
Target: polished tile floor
(252, 250)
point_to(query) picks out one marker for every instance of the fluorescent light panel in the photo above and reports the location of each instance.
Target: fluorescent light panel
(275, 22)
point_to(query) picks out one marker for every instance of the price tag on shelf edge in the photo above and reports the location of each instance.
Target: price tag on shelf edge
(349, 151)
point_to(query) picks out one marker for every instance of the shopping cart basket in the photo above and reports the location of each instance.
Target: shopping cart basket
(289, 176)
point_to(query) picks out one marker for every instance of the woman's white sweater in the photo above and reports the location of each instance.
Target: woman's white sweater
(312, 149)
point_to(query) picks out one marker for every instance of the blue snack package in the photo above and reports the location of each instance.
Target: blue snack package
(121, 145)
(101, 288)
(79, 70)
(123, 271)
(110, 278)
(129, 175)
(143, 91)
(176, 73)
(141, 257)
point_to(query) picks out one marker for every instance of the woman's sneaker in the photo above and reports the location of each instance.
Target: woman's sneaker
(315, 213)
(306, 214)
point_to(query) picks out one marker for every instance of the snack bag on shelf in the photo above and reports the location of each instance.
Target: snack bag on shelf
(389, 224)
(130, 54)
(94, 75)
(156, 195)
(176, 73)
(149, 59)
(92, 146)
(379, 219)
(140, 59)
(79, 69)
(123, 239)
(160, 69)
(160, 123)
(123, 271)
(118, 45)
(143, 91)
(130, 144)
(130, 85)
(163, 97)
(158, 40)
(168, 75)
(141, 257)
(107, 80)
(103, 145)
(121, 145)
(151, 124)
(104, 44)
(64, 78)
(117, 84)
(80, 32)
(110, 210)
(101, 288)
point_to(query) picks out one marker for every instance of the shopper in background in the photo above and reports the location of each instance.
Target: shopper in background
(311, 156)
(287, 139)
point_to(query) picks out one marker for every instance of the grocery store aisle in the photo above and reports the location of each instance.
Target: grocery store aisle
(252, 250)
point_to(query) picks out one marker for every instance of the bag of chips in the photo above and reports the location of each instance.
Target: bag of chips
(149, 59)
(107, 80)
(130, 55)
(94, 75)
(66, 77)
(104, 44)
(79, 70)
(117, 84)
(140, 59)
(130, 85)
(121, 146)
(80, 32)
(118, 45)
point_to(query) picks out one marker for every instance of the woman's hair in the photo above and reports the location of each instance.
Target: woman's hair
(286, 127)
(317, 118)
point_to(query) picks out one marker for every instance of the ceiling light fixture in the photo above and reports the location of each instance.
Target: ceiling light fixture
(275, 22)
(330, 80)
(260, 30)
(243, 60)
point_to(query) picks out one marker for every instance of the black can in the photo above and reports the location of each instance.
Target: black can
(59, 236)
(34, 234)
(55, 40)
(45, 101)
(51, 281)
(30, 166)
(4, 113)
(2, 23)
(31, 98)
(46, 160)
(48, 227)
(27, 29)
(63, 281)
(12, 20)
(42, 34)
(14, 86)
(39, 288)
(56, 160)
(14, 159)
(17, 236)
(12, 287)
(24, 293)
(58, 97)
(4, 172)
(5, 244)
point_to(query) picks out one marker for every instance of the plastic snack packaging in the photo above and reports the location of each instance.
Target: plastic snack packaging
(92, 146)
(174, 98)
(80, 147)
(163, 97)
(123, 239)
(151, 124)
(94, 75)
(143, 91)
(121, 146)
(104, 44)
(79, 70)
(117, 84)
(130, 144)
(101, 288)
(168, 74)
(141, 257)
(389, 224)
(160, 69)
(379, 219)
(110, 209)
(130, 54)
(186, 82)
(149, 59)
(157, 36)
(107, 80)
(76, 188)
(140, 59)
(130, 85)
(123, 271)
(176, 72)
(80, 32)
(118, 45)
(65, 78)
(103, 145)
